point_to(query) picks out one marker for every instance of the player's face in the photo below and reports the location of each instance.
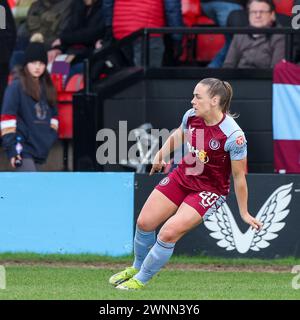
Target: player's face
(202, 102)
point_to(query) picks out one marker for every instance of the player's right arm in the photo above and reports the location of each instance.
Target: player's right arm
(174, 141)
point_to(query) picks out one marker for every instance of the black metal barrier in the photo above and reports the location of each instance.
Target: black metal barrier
(144, 34)
(273, 198)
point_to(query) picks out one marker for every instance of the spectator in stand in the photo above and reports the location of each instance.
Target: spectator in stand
(29, 121)
(219, 11)
(20, 9)
(48, 17)
(78, 40)
(129, 16)
(7, 40)
(257, 50)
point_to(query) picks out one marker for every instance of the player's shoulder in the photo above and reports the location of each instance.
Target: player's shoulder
(230, 128)
(188, 114)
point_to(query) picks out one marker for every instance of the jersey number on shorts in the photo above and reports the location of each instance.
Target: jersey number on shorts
(208, 198)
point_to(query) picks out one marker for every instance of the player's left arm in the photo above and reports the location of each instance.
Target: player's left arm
(238, 168)
(241, 191)
(236, 145)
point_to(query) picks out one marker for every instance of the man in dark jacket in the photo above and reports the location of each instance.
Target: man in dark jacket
(7, 40)
(257, 51)
(85, 27)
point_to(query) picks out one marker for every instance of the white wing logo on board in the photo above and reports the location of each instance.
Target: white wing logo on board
(224, 228)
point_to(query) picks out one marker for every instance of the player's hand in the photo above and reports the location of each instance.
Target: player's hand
(254, 223)
(158, 165)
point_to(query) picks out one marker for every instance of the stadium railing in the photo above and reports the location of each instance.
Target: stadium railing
(103, 53)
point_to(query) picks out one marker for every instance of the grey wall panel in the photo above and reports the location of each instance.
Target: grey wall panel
(178, 88)
(131, 110)
(170, 89)
(254, 115)
(251, 89)
(260, 147)
(134, 91)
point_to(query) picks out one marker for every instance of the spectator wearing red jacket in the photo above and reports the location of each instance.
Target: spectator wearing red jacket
(126, 17)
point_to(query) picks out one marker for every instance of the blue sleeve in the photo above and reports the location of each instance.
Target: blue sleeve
(189, 113)
(236, 145)
(11, 102)
(11, 99)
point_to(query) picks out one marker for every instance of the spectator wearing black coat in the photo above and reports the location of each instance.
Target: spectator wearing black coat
(78, 40)
(7, 40)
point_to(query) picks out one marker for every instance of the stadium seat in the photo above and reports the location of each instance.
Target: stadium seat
(208, 45)
(191, 10)
(75, 83)
(284, 6)
(65, 102)
(203, 47)
(57, 80)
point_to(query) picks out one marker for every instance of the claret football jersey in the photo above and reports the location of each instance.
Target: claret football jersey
(207, 164)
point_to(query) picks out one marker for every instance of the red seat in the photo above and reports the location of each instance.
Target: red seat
(203, 47)
(284, 6)
(65, 115)
(65, 103)
(75, 83)
(208, 45)
(191, 10)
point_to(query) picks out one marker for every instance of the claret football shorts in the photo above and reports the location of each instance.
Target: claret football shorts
(203, 201)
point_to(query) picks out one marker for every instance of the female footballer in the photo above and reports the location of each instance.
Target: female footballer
(196, 188)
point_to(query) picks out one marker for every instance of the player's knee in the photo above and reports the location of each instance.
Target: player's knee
(168, 234)
(144, 224)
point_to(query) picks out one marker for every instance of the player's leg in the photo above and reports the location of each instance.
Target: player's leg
(192, 211)
(157, 209)
(175, 227)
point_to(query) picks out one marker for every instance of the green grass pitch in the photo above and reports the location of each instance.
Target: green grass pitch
(58, 277)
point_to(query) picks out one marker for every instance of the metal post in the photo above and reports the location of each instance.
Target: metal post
(145, 50)
(289, 47)
(86, 72)
(65, 154)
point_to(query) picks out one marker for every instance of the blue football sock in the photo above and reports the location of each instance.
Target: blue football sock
(157, 257)
(143, 242)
